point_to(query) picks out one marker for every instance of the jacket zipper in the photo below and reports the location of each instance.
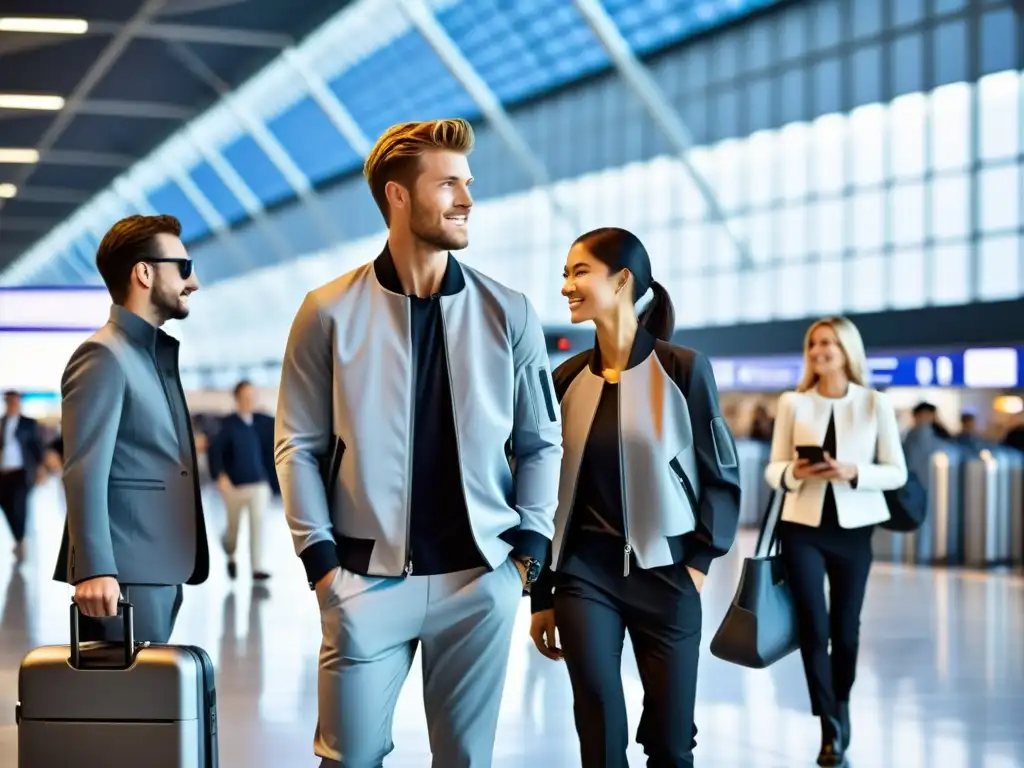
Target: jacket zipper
(409, 453)
(455, 423)
(687, 487)
(627, 550)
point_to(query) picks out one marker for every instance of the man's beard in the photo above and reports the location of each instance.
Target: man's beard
(435, 235)
(167, 305)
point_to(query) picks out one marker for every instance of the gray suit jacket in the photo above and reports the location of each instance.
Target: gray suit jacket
(130, 475)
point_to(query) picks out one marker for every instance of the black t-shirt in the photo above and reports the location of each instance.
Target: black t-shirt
(829, 512)
(598, 507)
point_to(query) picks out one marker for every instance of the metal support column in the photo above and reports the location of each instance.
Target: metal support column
(422, 18)
(646, 89)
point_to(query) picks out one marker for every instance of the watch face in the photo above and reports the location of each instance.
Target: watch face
(532, 570)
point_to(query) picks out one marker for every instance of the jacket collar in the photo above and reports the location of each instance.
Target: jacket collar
(643, 345)
(138, 330)
(387, 275)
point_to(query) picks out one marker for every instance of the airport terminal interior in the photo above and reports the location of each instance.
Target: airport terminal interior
(781, 160)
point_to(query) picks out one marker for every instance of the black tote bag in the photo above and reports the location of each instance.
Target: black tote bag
(760, 626)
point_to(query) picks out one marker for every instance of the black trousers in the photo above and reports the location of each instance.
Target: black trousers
(844, 555)
(14, 501)
(661, 610)
(154, 613)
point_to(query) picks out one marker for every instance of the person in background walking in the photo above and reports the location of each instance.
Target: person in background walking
(831, 506)
(238, 459)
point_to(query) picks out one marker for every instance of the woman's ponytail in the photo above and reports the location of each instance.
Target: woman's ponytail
(659, 316)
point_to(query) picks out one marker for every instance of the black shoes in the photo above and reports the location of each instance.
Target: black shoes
(832, 749)
(844, 723)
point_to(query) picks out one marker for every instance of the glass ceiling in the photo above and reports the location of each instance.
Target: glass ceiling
(520, 50)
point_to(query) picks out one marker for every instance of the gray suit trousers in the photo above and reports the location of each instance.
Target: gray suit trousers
(155, 609)
(371, 629)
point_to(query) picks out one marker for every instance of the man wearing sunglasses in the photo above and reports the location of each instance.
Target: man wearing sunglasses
(135, 527)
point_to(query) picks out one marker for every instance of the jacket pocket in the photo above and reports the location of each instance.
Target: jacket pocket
(138, 484)
(542, 394)
(684, 481)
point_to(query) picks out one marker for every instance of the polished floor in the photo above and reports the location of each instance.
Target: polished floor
(941, 679)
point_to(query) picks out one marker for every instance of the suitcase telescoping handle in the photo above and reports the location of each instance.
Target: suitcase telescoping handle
(129, 634)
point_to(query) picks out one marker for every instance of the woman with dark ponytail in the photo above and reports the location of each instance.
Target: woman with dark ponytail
(648, 497)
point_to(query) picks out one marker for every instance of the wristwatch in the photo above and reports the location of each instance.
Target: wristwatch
(532, 568)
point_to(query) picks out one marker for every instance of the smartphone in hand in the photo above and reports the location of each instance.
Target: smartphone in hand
(812, 453)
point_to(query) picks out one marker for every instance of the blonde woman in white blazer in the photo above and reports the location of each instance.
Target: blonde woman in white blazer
(831, 507)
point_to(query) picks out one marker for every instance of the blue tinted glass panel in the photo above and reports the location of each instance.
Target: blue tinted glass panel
(907, 70)
(827, 25)
(998, 41)
(758, 47)
(403, 81)
(907, 11)
(220, 196)
(170, 199)
(867, 75)
(949, 46)
(257, 171)
(792, 96)
(945, 6)
(727, 118)
(793, 33)
(828, 90)
(313, 142)
(524, 48)
(759, 106)
(867, 17)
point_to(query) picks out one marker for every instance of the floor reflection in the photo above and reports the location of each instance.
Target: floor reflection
(941, 681)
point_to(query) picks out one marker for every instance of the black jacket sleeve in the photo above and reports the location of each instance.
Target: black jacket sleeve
(718, 510)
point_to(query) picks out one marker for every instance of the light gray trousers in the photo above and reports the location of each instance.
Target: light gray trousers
(371, 629)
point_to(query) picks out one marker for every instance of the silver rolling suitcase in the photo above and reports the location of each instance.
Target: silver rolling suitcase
(110, 705)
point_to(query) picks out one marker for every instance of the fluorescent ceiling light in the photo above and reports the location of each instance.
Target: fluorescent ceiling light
(44, 26)
(28, 156)
(30, 101)
(7, 191)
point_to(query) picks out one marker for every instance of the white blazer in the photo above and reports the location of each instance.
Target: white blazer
(867, 435)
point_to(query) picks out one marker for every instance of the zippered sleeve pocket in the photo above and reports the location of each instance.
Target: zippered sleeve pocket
(543, 394)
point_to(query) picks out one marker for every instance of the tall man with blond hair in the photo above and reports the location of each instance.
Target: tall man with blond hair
(402, 383)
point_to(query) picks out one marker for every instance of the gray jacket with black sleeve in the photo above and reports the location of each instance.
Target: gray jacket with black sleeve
(346, 410)
(680, 474)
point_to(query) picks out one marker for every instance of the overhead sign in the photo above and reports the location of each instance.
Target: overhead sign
(978, 368)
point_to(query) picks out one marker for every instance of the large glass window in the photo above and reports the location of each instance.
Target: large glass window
(950, 274)
(829, 226)
(951, 206)
(998, 49)
(867, 139)
(792, 155)
(828, 140)
(866, 283)
(789, 290)
(949, 47)
(906, 72)
(906, 208)
(906, 278)
(951, 126)
(791, 232)
(999, 203)
(999, 116)
(907, 123)
(761, 148)
(828, 286)
(868, 220)
(999, 275)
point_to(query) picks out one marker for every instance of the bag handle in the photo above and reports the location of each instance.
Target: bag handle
(767, 539)
(129, 634)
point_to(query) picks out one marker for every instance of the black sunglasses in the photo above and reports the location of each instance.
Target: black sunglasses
(185, 266)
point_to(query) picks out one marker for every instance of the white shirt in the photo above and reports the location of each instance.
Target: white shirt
(11, 458)
(867, 434)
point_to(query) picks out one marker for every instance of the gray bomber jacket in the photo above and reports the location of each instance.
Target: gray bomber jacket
(345, 422)
(681, 486)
